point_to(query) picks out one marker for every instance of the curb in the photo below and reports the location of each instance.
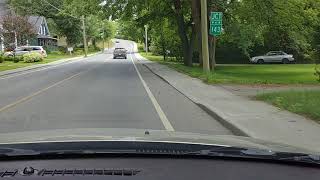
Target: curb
(39, 66)
(232, 127)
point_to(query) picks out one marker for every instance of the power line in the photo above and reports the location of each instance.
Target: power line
(83, 26)
(59, 9)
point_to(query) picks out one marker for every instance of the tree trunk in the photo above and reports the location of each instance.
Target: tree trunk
(94, 43)
(212, 52)
(183, 33)
(212, 42)
(196, 16)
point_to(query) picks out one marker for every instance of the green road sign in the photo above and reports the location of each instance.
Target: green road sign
(216, 23)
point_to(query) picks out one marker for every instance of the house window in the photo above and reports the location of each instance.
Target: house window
(44, 29)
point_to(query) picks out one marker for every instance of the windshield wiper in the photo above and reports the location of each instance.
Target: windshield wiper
(218, 151)
(259, 154)
(314, 159)
(11, 152)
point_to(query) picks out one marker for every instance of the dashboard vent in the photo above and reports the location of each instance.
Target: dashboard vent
(8, 173)
(85, 172)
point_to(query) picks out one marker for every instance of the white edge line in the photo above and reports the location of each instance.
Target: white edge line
(155, 103)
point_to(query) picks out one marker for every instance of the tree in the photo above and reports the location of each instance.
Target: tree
(64, 13)
(16, 27)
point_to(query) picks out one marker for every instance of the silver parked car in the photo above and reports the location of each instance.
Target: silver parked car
(20, 51)
(274, 57)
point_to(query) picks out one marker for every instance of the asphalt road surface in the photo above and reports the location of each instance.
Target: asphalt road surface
(98, 92)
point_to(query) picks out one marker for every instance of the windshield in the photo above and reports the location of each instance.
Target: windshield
(188, 71)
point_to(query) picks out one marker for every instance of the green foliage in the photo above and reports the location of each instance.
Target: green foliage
(17, 59)
(8, 58)
(317, 73)
(78, 52)
(64, 19)
(130, 30)
(1, 58)
(165, 40)
(32, 57)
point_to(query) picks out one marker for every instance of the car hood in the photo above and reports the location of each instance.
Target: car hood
(140, 135)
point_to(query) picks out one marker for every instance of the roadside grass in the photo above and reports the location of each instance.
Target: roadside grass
(247, 74)
(305, 102)
(9, 65)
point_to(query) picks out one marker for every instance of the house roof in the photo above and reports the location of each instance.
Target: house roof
(36, 21)
(3, 8)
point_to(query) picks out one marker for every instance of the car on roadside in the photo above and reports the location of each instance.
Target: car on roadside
(273, 57)
(120, 53)
(20, 51)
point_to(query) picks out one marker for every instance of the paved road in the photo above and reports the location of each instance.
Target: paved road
(98, 92)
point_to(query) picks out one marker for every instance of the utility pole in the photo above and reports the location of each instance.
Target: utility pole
(15, 39)
(84, 36)
(103, 39)
(204, 34)
(146, 37)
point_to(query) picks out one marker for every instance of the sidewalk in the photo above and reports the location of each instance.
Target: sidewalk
(242, 115)
(38, 66)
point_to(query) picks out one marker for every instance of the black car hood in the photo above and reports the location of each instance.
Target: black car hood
(139, 135)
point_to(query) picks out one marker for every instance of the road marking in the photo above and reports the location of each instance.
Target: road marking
(39, 92)
(155, 103)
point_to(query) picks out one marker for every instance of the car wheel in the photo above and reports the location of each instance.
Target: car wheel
(285, 61)
(260, 61)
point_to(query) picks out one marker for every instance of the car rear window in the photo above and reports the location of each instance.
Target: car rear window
(36, 48)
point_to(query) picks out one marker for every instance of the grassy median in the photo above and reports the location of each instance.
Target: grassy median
(248, 74)
(306, 102)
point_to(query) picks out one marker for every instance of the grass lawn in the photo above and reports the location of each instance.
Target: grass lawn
(306, 103)
(248, 74)
(8, 65)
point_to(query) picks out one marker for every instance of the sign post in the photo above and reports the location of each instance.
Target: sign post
(215, 31)
(70, 49)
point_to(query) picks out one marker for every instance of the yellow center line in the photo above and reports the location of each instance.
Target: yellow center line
(40, 91)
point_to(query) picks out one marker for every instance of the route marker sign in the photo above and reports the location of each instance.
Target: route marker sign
(216, 23)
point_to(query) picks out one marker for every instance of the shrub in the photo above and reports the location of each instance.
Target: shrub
(93, 49)
(62, 49)
(16, 59)
(78, 52)
(32, 57)
(317, 73)
(8, 58)
(1, 58)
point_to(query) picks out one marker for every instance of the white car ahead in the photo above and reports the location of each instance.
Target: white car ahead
(274, 57)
